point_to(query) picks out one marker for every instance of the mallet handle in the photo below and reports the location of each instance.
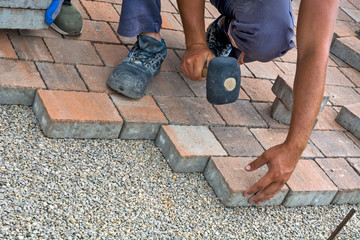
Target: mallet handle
(342, 224)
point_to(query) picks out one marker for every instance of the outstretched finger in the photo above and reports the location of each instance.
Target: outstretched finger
(267, 193)
(260, 185)
(260, 161)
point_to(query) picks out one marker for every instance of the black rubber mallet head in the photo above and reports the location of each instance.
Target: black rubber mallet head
(223, 80)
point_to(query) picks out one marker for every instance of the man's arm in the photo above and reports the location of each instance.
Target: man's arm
(197, 53)
(314, 34)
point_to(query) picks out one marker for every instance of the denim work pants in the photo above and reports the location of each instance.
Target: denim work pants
(259, 30)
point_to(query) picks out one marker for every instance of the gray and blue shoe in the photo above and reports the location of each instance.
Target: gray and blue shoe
(133, 74)
(217, 40)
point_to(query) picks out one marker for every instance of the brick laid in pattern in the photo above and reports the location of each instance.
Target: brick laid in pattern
(142, 117)
(309, 185)
(188, 148)
(344, 177)
(228, 178)
(33, 4)
(349, 118)
(19, 81)
(348, 49)
(355, 163)
(65, 114)
(22, 19)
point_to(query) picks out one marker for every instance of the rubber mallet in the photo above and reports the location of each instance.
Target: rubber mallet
(223, 80)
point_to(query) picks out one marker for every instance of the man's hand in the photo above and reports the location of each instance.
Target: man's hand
(281, 162)
(195, 58)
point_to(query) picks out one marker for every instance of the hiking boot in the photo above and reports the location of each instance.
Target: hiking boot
(69, 21)
(134, 73)
(217, 40)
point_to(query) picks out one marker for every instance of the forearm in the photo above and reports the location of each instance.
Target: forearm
(192, 16)
(314, 34)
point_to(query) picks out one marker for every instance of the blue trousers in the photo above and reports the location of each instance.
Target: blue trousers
(259, 30)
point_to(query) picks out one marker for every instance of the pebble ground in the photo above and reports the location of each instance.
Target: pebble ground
(116, 189)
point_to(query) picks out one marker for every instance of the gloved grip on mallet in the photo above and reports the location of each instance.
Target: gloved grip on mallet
(223, 80)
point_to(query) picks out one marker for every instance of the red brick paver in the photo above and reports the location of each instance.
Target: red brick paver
(6, 50)
(111, 54)
(95, 77)
(30, 48)
(101, 11)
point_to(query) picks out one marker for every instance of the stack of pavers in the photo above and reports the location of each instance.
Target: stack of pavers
(282, 106)
(23, 14)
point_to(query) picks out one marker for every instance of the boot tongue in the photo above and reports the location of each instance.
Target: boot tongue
(150, 44)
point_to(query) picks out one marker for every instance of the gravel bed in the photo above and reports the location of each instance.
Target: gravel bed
(116, 189)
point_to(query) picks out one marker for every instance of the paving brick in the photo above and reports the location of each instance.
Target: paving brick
(245, 72)
(355, 3)
(101, 11)
(188, 148)
(290, 56)
(95, 77)
(342, 16)
(22, 19)
(170, 22)
(18, 82)
(349, 118)
(142, 117)
(212, 9)
(335, 77)
(61, 77)
(341, 30)
(73, 51)
(96, 31)
(352, 74)
(241, 113)
(168, 84)
(67, 114)
(341, 96)
(334, 144)
(271, 137)
(331, 63)
(171, 63)
(355, 163)
(6, 50)
(287, 68)
(348, 49)
(258, 89)
(264, 109)
(167, 6)
(280, 112)
(33, 4)
(173, 39)
(338, 61)
(30, 48)
(189, 111)
(111, 54)
(80, 8)
(238, 141)
(326, 120)
(346, 4)
(43, 33)
(309, 185)
(283, 89)
(228, 178)
(353, 13)
(344, 177)
(264, 70)
(353, 138)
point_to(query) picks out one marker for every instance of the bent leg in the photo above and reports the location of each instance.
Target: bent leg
(139, 16)
(258, 30)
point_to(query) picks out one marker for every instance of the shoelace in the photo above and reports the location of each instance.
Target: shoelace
(144, 57)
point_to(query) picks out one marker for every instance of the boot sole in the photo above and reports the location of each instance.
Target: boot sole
(57, 29)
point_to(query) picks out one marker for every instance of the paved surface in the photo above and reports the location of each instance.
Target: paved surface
(111, 189)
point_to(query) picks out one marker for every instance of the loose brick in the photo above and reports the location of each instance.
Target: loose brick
(341, 96)
(341, 30)
(349, 118)
(6, 50)
(189, 111)
(61, 77)
(348, 49)
(355, 163)
(309, 185)
(352, 74)
(30, 48)
(188, 148)
(22, 19)
(334, 144)
(18, 82)
(280, 112)
(73, 51)
(96, 31)
(228, 178)
(33, 4)
(271, 137)
(142, 117)
(258, 89)
(264, 109)
(345, 179)
(112, 55)
(101, 11)
(283, 89)
(264, 70)
(95, 77)
(241, 113)
(326, 120)
(238, 141)
(66, 114)
(168, 84)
